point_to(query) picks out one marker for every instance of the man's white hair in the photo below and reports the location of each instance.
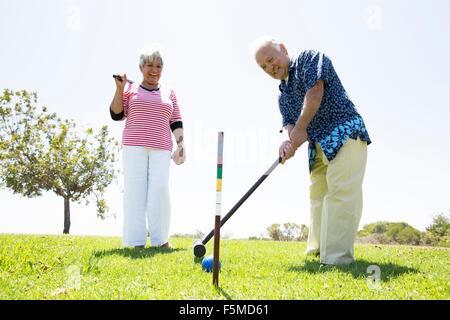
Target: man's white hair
(150, 54)
(262, 42)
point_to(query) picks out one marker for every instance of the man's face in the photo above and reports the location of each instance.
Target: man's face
(274, 61)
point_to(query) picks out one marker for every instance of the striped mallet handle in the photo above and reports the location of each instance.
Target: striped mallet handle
(219, 173)
(218, 209)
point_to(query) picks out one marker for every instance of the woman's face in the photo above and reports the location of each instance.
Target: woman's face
(151, 71)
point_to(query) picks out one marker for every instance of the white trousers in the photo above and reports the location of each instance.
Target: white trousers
(146, 196)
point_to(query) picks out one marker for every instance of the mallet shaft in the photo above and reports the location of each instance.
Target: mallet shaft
(242, 200)
(216, 252)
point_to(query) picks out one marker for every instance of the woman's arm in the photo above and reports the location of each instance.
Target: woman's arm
(178, 134)
(179, 156)
(117, 102)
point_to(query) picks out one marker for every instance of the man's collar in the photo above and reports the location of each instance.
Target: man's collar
(291, 62)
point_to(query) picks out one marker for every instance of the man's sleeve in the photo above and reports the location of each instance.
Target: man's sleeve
(317, 66)
(287, 110)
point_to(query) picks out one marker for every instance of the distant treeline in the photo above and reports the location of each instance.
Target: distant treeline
(436, 234)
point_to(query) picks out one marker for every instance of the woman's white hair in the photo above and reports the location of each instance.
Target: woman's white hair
(150, 54)
(262, 42)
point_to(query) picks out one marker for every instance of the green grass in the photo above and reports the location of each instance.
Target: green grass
(76, 267)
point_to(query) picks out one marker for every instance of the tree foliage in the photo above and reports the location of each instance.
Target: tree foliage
(24, 131)
(40, 152)
(436, 234)
(275, 232)
(391, 232)
(440, 225)
(289, 232)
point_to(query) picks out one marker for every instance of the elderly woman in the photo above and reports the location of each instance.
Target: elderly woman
(152, 113)
(316, 108)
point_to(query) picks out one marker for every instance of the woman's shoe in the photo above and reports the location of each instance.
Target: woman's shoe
(166, 246)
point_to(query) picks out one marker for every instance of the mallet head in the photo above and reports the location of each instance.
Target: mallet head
(199, 248)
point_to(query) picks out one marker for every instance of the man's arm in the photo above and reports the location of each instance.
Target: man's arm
(311, 104)
(286, 144)
(288, 128)
(297, 133)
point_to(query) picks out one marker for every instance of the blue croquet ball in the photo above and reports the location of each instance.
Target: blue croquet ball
(208, 263)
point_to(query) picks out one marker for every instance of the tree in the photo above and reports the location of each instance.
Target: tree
(374, 228)
(390, 232)
(440, 225)
(290, 231)
(303, 234)
(444, 241)
(393, 230)
(199, 234)
(409, 235)
(23, 133)
(438, 233)
(275, 232)
(40, 152)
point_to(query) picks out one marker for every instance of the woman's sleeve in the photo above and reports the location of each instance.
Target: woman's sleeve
(176, 119)
(116, 116)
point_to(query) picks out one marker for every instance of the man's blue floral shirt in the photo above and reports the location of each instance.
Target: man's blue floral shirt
(336, 119)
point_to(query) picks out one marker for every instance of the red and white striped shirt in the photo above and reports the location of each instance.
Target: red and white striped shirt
(149, 114)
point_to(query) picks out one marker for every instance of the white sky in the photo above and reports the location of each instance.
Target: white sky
(393, 58)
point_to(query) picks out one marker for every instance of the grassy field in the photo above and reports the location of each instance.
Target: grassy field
(76, 267)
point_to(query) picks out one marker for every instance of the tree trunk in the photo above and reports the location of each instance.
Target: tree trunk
(66, 215)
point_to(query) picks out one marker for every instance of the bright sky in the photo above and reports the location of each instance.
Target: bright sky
(393, 58)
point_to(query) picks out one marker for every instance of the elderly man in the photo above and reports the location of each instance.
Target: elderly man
(315, 108)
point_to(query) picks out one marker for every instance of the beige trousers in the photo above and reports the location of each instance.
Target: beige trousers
(336, 202)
